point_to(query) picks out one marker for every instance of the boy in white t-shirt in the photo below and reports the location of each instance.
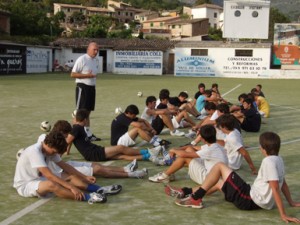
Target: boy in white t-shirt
(199, 159)
(33, 177)
(263, 194)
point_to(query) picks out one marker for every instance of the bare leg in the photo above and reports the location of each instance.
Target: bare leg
(168, 122)
(177, 165)
(108, 171)
(187, 118)
(134, 132)
(112, 151)
(47, 186)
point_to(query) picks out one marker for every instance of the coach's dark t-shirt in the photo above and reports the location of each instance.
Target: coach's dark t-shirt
(87, 149)
(176, 101)
(119, 126)
(252, 120)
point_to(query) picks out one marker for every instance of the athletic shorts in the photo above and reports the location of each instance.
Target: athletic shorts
(126, 140)
(197, 171)
(237, 191)
(85, 96)
(158, 124)
(83, 167)
(176, 124)
(30, 188)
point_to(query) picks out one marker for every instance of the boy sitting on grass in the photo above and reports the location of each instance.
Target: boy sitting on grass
(263, 194)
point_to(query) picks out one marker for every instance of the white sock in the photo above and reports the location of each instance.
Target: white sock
(154, 141)
(88, 131)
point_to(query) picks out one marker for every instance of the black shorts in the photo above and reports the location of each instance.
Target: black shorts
(96, 154)
(237, 191)
(158, 124)
(85, 96)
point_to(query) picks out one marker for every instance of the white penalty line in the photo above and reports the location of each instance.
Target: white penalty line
(283, 143)
(32, 207)
(232, 89)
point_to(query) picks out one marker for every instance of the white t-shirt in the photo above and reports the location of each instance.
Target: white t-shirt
(233, 142)
(212, 154)
(84, 64)
(30, 160)
(271, 169)
(147, 117)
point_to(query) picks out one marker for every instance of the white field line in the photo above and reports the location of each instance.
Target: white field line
(231, 90)
(285, 107)
(32, 207)
(282, 143)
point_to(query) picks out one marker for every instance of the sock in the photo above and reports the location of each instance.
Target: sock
(154, 141)
(199, 193)
(86, 197)
(92, 188)
(157, 138)
(187, 191)
(88, 131)
(144, 151)
(193, 143)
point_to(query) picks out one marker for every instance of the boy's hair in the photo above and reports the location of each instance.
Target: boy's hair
(210, 106)
(57, 141)
(251, 96)
(164, 91)
(244, 95)
(223, 108)
(62, 126)
(150, 99)
(259, 85)
(226, 121)
(163, 95)
(183, 94)
(254, 92)
(81, 115)
(249, 101)
(201, 85)
(214, 85)
(208, 133)
(207, 93)
(270, 142)
(132, 109)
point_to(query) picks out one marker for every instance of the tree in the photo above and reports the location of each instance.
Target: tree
(98, 26)
(200, 2)
(276, 17)
(77, 17)
(123, 34)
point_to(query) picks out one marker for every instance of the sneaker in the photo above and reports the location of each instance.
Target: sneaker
(140, 173)
(176, 133)
(97, 198)
(168, 162)
(164, 142)
(131, 166)
(191, 134)
(190, 202)
(94, 138)
(110, 190)
(157, 161)
(201, 117)
(154, 151)
(160, 178)
(174, 192)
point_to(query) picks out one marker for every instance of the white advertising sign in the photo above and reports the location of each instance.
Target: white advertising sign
(138, 62)
(38, 60)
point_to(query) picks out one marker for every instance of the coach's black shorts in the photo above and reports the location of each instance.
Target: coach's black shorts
(237, 191)
(95, 154)
(85, 96)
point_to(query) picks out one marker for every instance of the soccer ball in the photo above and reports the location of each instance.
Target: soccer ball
(118, 110)
(140, 94)
(45, 126)
(74, 113)
(19, 153)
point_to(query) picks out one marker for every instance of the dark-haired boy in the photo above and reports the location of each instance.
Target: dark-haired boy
(263, 194)
(33, 177)
(199, 159)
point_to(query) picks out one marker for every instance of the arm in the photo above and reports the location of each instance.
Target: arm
(69, 139)
(285, 190)
(276, 195)
(247, 157)
(82, 76)
(183, 153)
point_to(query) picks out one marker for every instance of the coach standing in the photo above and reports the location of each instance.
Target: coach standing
(85, 71)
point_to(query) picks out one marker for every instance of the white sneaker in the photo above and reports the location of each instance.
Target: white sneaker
(154, 151)
(201, 117)
(176, 133)
(131, 166)
(160, 178)
(140, 173)
(191, 134)
(157, 161)
(97, 198)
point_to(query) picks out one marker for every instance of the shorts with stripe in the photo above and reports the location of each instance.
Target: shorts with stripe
(237, 191)
(85, 96)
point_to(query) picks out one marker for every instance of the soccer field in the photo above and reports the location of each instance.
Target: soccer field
(27, 100)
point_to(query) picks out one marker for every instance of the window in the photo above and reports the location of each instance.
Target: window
(255, 14)
(131, 14)
(78, 50)
(161, 24)
(244, 52)
(200, 52)
(119, 13)
(215, 15)
(126, 13)
(237, 13)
